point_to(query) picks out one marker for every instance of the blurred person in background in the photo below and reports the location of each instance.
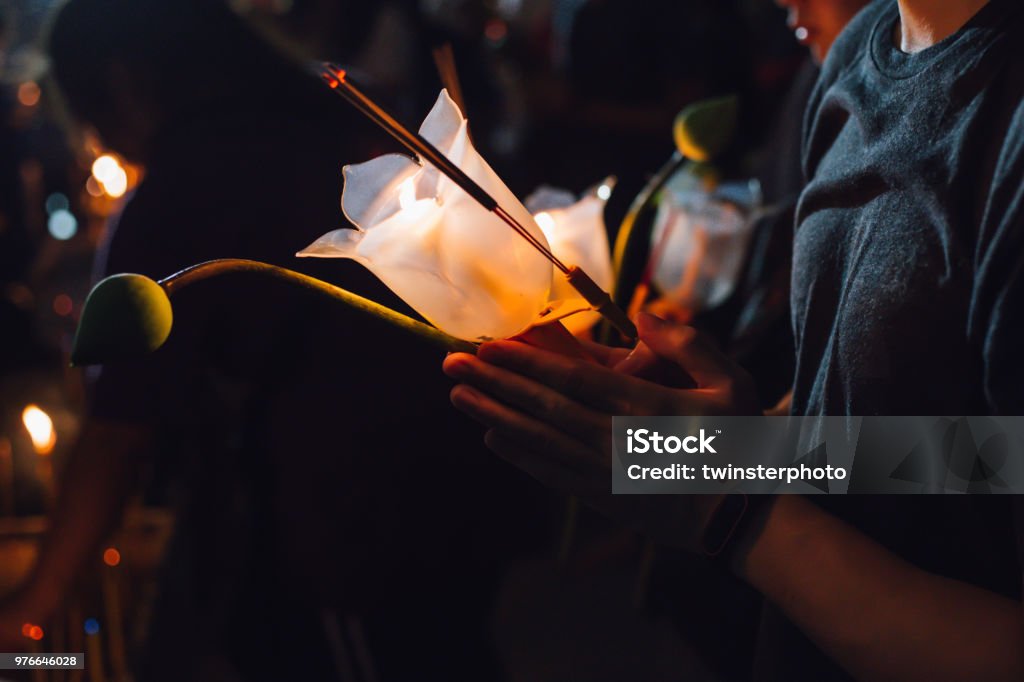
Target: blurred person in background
(754, 327)
(753, 323)
(625, 68)
(331, 521)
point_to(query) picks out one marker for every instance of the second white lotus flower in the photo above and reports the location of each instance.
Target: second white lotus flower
(454, 262)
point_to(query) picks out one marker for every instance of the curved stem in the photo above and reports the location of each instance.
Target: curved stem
(215, 268)
(628, 242)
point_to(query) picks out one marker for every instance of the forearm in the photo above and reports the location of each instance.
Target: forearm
(878, 616)
(96, 482)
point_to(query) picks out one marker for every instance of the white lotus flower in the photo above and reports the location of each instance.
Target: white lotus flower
(701, 239)
(454, 262)
(576, 233)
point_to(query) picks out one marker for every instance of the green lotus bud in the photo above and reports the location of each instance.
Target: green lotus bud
(704, 129)
(124, 316)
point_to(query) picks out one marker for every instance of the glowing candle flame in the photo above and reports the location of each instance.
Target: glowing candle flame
(575, 230)
(111, 175)
(104, 167)
(453, 261)
(117, 185)
(407, 194)
(546, 223)
(40, 429)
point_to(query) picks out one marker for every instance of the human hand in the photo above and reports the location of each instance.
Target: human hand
(669, 310)
(551, 415)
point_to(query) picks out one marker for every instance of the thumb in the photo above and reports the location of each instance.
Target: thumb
(685, 347)
(640, 361)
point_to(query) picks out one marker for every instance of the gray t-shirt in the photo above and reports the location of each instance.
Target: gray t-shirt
(908, 276)
(908, 270)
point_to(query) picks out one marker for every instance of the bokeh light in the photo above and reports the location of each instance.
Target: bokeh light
(104, 166)
(29, 93)
(62, 224)
(63, 305)
(40, 429)
(496, 31)
(57, 202)
(117, 184)
(91, 626)
(111, 557)
(111, 175)
(92, 186)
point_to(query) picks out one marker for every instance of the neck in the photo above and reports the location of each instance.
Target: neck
(924, 23)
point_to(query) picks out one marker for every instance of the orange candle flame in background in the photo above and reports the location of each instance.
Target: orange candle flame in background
(40, 429)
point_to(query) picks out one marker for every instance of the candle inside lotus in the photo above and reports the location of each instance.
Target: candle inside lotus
(434, 245)
(700, 239)
(473, 262)
(576, 232)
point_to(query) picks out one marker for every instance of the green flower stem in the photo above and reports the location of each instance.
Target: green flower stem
(632, 247)
(214, 268)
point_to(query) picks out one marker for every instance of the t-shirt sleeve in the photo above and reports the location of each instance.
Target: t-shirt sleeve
(996, 320)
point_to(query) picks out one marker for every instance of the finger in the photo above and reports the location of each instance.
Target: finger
(522, 429)
(534, 398)
(631, 396)
(553, 337)
(641, 359)
(667, 309)
(586, 382)
(644, 363)
(453, 360)
(687, 348)
(604, 355)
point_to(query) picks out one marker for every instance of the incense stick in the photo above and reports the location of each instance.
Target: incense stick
(335, 78)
